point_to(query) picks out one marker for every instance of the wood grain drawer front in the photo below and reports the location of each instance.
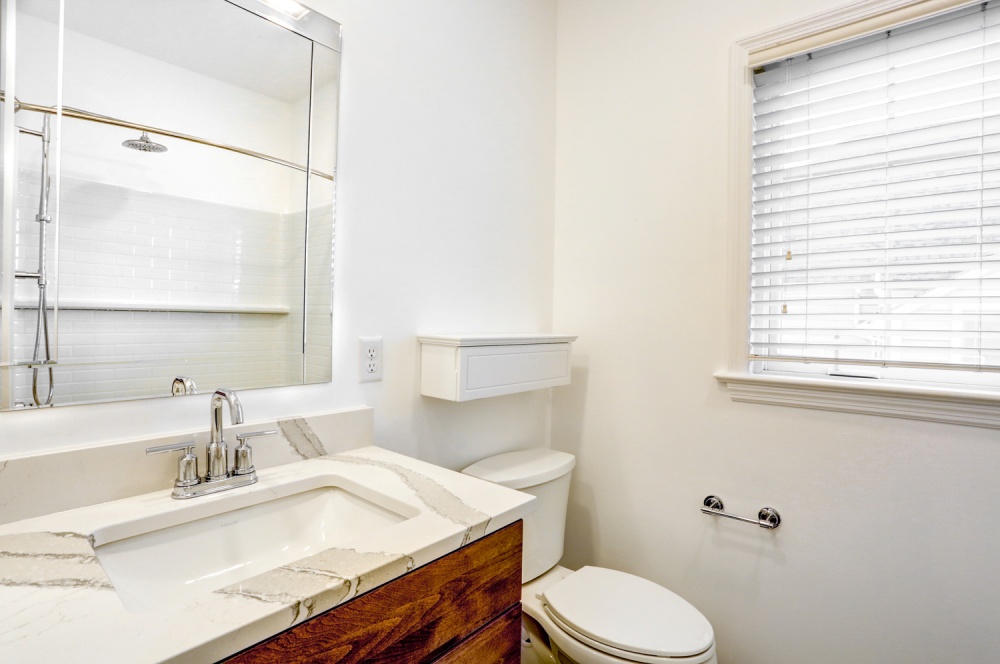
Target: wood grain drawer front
(414, 618)
(497, 643)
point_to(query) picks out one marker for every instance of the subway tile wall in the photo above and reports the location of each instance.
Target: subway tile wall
(151, 286)
(123, 246)
(318, 363)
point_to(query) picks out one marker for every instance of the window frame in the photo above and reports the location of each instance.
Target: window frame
(953, 404)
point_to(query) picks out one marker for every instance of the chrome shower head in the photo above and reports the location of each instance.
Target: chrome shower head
(143, 144)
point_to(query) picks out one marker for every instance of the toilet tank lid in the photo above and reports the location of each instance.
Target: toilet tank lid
(523, 469)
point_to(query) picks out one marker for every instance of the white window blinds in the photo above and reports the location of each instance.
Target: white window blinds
(876, 203)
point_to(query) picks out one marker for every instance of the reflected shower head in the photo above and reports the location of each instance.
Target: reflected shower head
(143, 144)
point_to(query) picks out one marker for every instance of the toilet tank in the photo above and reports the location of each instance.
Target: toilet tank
(544, 474)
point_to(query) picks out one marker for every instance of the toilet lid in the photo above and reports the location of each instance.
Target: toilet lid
(628, 613)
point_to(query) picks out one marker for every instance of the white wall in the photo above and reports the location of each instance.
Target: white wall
(444, 223)
(888, 547)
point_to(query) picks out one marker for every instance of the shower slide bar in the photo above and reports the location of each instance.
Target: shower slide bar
(767, 517)
(79, 114)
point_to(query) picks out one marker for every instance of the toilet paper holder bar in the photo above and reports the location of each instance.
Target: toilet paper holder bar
(767, 517)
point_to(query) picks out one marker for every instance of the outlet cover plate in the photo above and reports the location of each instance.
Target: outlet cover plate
(370, 359)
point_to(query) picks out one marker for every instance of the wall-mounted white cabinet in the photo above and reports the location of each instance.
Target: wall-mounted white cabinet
(462, 367)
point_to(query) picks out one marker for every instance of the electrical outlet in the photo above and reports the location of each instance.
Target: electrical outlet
(369, 359)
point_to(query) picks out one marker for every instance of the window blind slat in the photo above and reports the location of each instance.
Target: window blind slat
(951, 113)
(871, 153)
(908, 89)
(949, 122)
(803, 324)
(802, 229)
(868, 209)
(859, 349)
(875, 274)
(766, 186)
(865, 340)
(916, 187)
(774, 243)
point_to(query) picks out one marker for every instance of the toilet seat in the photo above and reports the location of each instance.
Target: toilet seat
(626, 616)
(596, 646)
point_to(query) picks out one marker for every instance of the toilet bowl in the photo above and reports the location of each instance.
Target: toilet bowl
(593, 615)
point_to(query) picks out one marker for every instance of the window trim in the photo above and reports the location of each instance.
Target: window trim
(971, 407)
(934, 403)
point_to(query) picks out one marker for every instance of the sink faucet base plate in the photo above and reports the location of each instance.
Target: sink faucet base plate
(213, 486)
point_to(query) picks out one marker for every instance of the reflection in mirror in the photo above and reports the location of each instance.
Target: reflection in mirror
(188, 227)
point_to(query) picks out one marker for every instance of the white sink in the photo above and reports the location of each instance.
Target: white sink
(233, 541)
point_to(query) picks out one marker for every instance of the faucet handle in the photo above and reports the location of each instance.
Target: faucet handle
(159, 449)
(242, 437)
(187, 464)
(243, 454)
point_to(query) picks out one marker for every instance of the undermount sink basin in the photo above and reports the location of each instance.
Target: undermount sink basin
(168, 566)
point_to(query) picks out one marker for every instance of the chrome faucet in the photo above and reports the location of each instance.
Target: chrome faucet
(217, 452)
(219, 476)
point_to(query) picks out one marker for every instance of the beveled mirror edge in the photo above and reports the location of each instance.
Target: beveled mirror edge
(313, 25)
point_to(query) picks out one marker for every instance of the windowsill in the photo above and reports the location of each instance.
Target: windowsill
(952, 405)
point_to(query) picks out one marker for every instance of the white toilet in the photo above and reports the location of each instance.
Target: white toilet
(593, 615)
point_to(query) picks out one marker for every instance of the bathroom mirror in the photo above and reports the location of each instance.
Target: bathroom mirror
(184, 240)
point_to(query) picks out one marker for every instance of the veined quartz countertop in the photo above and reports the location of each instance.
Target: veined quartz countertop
(58, 605)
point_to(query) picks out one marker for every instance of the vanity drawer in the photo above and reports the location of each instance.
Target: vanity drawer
(425, 614)
(500, 641)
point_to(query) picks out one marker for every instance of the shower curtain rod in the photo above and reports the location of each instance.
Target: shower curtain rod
(70, 112)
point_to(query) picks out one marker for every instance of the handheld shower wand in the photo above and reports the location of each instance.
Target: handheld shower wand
(42, 318)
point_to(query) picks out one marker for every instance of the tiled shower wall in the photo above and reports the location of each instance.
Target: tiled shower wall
(318, 363)
(151, 286)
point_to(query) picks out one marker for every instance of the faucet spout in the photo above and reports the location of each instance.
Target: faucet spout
(235, 412)
(218, 456)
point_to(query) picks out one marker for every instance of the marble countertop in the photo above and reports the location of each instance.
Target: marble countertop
(57, 604)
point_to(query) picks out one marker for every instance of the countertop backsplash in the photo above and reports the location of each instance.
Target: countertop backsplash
(33, 485)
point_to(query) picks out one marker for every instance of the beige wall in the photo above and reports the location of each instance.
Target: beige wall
(889, 544)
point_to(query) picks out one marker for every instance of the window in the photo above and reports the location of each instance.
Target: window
(876, 204)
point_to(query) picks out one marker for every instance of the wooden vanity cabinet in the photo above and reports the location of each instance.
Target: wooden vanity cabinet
(462, 608)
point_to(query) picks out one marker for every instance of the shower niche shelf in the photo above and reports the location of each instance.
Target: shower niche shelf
(169, 307)
(463, 367)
